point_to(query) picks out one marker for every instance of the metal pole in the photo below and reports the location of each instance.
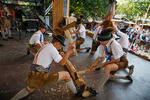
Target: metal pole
(44, 10)
(145, 16)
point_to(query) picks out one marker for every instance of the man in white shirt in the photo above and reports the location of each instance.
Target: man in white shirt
(82, 35)
(38, 76)
(37, 41)
(124, 42)
(115, 60)
(95, 42)
(7, 10)
(106, 24)
(124, 39)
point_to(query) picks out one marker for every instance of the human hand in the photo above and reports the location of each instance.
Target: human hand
(62, 54)
(46, 42)
(74, 54)
(102, 65)
(72, 32)
(71, 46)
(92, 68)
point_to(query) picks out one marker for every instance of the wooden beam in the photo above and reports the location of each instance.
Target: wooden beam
(58, 10)
(68, 5)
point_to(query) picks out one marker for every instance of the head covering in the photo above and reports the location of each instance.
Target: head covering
(123, 30)
(105, 35)
(42, 26)
(79, 21)
(60, 39)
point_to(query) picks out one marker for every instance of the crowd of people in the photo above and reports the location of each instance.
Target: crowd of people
(139, 39)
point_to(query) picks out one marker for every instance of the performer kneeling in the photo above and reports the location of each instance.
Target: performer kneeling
(124, 42)
(38, 76)
(37, 41)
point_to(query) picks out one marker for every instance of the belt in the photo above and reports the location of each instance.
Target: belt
(125, 50)
(4, 18)
(95, 41)
(32, 45)
(122, 58)
(38, 68)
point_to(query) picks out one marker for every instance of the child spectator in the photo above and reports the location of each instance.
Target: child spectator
(135, 46)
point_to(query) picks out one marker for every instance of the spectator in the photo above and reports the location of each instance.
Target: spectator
(5, 25)
(147, 43)
(1, 5)
(136, 37)
(18, 14)
(131, 36)
(135, 46)
(7, 10)
(142, 41)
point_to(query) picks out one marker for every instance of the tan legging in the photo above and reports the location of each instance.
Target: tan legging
(111, 10)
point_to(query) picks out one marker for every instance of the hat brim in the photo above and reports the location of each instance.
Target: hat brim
(77, 23)
(58, 40)
(43, 27)
(124, 31)
(102, 39)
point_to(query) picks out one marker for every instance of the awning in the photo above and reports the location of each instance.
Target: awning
(97, 21)
(15, 1)
(115, 20)
(145, 24)
(30, 0)
(129, 22)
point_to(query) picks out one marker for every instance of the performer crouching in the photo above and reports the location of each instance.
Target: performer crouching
(81, 32)
(116, 59)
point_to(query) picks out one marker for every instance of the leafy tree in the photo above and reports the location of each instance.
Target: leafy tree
(92, 8)
(130, 8)
(98, 8)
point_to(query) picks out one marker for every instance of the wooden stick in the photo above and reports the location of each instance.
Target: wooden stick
(66, 30)
(72, 70)
(73, 24)
(68, 35)
(87, 70)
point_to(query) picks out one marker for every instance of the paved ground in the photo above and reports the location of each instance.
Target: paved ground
(14, 65)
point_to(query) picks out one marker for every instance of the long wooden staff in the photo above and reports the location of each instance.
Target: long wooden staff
(88, 70)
